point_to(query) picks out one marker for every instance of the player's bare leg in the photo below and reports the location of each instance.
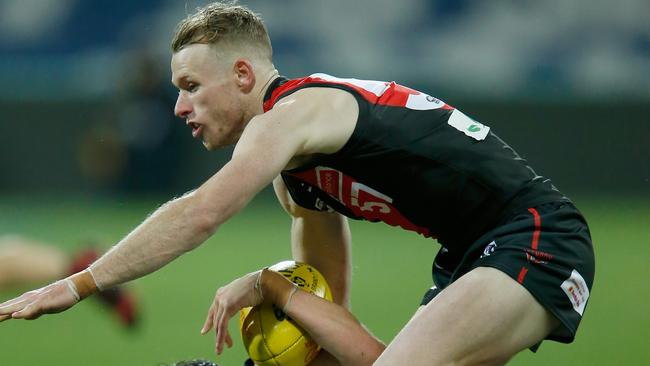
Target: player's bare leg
(483, 318)
(25, 261)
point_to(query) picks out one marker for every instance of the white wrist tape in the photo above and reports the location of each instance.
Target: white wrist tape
(258, 284)
(293, 292)
(99, 286)
(72, 288)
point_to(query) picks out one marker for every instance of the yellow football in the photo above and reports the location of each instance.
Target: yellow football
(273, 339)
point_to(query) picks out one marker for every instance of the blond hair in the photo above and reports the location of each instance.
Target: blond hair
(223, 24)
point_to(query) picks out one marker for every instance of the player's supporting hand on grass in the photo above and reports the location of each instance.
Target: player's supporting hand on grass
(54, 298)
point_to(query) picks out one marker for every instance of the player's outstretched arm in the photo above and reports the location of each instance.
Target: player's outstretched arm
(175, 228)
(268, 143)
(331, 325)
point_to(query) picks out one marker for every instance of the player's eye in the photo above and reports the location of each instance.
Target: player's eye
(191, 87)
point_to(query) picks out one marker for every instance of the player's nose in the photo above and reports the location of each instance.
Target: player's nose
(182, 108)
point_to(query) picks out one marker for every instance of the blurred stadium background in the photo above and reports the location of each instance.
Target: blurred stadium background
(89, 146)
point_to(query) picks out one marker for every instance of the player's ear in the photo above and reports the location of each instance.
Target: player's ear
(244, 74)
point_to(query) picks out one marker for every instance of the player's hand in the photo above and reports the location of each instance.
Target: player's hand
(228, 300)
(50, 299)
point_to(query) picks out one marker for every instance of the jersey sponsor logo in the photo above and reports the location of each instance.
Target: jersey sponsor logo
(330, 181)
(468, 126)
(363, 198)
(577, 291)
(363, 201)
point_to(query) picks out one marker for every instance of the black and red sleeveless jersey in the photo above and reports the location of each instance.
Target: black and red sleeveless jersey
(415, 162)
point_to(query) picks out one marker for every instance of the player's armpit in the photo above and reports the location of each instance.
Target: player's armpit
(290, 206)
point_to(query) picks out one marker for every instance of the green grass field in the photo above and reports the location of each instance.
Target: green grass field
(391, 272)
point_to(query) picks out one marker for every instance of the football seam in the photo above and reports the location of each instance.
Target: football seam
(268, 350)
(273, 356)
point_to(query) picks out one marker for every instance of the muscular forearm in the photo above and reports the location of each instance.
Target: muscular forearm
(182, 224)
(330, 325)
(173, 229)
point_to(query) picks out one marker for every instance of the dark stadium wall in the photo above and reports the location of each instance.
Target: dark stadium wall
(52, 147)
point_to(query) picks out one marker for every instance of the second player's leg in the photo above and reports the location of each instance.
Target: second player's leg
(27, 262)
(483, 318)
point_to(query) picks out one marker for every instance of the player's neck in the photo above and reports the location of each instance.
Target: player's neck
(267, 78)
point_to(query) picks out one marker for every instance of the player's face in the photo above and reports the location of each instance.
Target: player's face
(209, 98)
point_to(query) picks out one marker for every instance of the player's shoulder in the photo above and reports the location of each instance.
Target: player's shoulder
(325, 100)
(313, 105)
(317, 89)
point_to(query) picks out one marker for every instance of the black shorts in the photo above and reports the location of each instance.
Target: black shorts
(547, 249)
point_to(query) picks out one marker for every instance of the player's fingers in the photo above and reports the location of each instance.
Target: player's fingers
(33, 315)
(17, 298)
(10, 308)
(225, 333)
(207, 325)
(6, 311)
(8, 303)
(215, 323)
(29, 312)
(228, 339)
(221, 325)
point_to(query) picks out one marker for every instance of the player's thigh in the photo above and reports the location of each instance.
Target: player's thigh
(24, 261)
(485, 317)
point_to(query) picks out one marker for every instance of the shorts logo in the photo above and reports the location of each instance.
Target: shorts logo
(577, 291)
(489, 249)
